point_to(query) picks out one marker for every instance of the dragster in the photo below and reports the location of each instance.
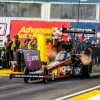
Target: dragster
(64, 65)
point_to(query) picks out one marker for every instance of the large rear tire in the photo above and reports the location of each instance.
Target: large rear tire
(26, 71)
(87, 70)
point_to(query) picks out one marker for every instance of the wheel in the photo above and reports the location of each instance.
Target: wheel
(87, 70)
(45, 72)
(45, 80)
(26, 71)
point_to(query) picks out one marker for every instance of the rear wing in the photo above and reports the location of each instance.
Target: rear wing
(63, 30)
(79, 30)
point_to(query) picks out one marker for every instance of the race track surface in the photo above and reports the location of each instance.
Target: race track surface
(16, 89)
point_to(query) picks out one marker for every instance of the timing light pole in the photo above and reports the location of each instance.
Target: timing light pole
(78, 13)
(78, 16)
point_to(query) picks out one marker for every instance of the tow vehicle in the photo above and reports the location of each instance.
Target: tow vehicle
(65, 64)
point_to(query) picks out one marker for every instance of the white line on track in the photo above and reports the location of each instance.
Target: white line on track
(80, 92)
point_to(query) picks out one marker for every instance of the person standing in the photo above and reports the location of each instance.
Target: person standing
(87, 48)
(78, 46)
(32, 44)
(18, 43)
(94, 52)
(27, 40)
(98, 51)
(8, 48)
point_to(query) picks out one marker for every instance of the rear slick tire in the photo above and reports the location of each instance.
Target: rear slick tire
(87, 70)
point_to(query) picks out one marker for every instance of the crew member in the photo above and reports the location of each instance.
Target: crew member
(8, 48)
(68, 45)
(98, 51)
(18, 43)
(32, 44)
(87, 48)
(78, 46)
(94, 51)
(27, 40)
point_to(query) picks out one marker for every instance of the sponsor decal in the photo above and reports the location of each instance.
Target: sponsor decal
(77, 70)
(75, 30)
(30, 58)
(4, 30)
(24, 31)
(32, 28)
(19, 76)
(81, 37)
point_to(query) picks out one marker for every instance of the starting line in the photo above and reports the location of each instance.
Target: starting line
(95, 94)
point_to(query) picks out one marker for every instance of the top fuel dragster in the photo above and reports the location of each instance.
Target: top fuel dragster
(65, 64)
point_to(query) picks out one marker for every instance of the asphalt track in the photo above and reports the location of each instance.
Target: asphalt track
(16, 89)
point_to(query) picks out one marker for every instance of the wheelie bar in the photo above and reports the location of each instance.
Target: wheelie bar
(29, 76)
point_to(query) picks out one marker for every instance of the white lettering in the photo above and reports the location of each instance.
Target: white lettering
(80, 30)
(33, 76)
(35, 58)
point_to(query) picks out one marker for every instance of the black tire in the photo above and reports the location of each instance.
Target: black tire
(26, 71)
(87, 70)
(45, 72)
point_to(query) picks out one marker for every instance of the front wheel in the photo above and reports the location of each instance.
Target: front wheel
(26, 71)
(45, 72)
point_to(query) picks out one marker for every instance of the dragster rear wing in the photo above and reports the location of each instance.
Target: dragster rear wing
(79, 30)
